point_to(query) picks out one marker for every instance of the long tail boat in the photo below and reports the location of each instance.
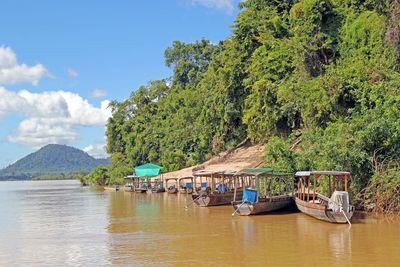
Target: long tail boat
(133, 183)
(129, 183)
(157, 186)
(185, 185)
(264, 191)
(337, 208)
(173, 188)
(216, 188)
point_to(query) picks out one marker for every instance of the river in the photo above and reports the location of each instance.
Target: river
(60, 223)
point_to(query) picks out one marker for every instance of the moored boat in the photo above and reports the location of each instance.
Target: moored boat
(173, 188)
(216, 188)
(264, 191)
(156, 186)
(186, 185)
(337, 208)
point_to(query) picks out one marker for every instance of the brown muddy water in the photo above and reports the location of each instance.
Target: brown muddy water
(59, 223)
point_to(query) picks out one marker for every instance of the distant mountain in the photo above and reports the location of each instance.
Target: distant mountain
(51, 160)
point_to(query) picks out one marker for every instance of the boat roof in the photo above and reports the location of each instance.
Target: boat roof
(253, 172)
(187, 177)
(274, 174)
(173, 178)
(131, 176)
(308, 173)
(210, 173)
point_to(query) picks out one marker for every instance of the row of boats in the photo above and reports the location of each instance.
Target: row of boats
(260, 190)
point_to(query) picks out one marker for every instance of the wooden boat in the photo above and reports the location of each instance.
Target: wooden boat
(129, 183)
(216, 188)
(335, 209)
(185, 185)
(112, 188)
(173, 188)
(133, 183)
(156, 186)
(264, 191)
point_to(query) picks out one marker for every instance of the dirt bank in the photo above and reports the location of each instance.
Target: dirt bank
(244, 155)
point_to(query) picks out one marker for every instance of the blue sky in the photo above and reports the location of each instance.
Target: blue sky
(62, 61)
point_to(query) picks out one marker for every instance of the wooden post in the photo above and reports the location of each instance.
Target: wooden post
(258, 187)
(345, 183)
(292, 185)
(234, 185)
(265, 186)
(304, 189)
(334, 184)
(330, 190)
(298, 188)
(315, 183)
(341, 183)
(279, 186)
(308, 189)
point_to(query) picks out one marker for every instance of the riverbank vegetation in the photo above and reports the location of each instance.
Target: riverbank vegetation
(317, 81)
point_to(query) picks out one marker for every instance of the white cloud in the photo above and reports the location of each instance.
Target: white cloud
(12, 73)
(50, 117)
(96, 151)
(97, 93)
(72, 72)
(226, 5)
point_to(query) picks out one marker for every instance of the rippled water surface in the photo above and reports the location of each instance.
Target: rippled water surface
(59, 223)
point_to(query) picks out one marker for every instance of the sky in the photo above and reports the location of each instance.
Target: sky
(62, 62)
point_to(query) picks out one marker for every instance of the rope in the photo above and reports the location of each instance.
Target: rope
(193, 201)
(244, 201)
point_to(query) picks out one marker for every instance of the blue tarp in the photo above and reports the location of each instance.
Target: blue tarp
(250, 195)
(225, 188)
(203, 184)
(172, 186)
(189, 185)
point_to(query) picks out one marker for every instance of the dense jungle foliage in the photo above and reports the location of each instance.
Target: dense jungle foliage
(317, 81)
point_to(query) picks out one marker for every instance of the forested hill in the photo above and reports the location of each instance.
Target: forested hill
(51, 160)
(317, 81)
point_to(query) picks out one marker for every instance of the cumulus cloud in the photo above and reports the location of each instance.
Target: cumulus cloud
(97, 93)
(12, 73)
(226, 5)
(72, 73)
(96, 151)
(50, 117)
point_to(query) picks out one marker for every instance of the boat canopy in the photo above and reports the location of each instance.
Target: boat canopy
(335, 173)
(210, 173)
(148, 169)
(253, 172)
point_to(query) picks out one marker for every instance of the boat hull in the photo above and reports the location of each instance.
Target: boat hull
(264, 205)
(172, 190)
(322, 213)
(215, 199)
(157, 190)
(186, 191)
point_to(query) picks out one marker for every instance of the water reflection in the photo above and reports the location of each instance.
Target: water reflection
(59, 223)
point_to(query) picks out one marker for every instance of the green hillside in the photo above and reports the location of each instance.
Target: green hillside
(51, 160)
(317, 81)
